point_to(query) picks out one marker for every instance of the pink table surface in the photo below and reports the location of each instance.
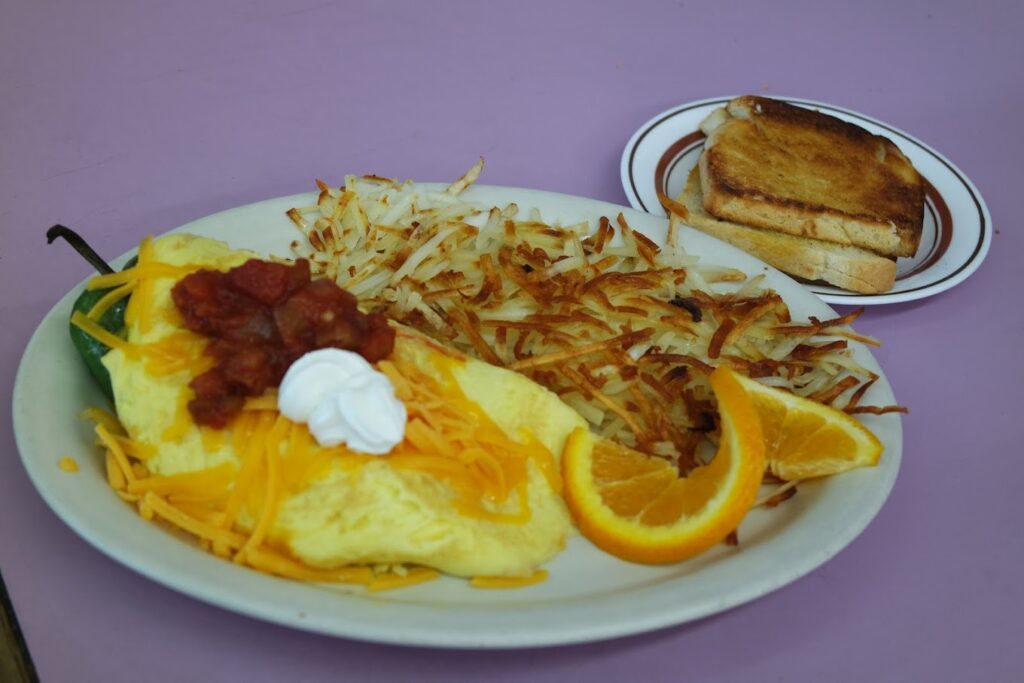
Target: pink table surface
(128, 118)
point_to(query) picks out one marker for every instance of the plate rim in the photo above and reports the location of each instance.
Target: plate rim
(628, 172)
(472, 638)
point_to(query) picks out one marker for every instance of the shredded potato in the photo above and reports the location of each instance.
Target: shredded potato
(624, 330)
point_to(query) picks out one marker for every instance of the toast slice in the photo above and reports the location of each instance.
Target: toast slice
(844, 266)
(779, 167)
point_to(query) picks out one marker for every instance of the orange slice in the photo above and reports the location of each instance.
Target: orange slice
(638, 507)
(804, 438)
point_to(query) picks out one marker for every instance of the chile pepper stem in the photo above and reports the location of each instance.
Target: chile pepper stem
(80, 245)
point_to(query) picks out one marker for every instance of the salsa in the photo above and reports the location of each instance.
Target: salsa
(260, 317)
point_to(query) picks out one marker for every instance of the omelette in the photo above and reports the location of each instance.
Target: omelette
(472, 490)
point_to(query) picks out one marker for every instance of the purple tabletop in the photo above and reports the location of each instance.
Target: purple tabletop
(123, 119)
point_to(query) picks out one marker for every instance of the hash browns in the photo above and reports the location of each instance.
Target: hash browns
(623, 330)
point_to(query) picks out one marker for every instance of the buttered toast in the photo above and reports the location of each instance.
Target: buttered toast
(844, 266)
(782, 168)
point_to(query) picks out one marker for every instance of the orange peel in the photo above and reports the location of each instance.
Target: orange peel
(638, 508)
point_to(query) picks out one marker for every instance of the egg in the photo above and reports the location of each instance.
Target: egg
(354, 508)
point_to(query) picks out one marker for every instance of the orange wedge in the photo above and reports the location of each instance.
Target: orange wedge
(804, 438)
(638, 508)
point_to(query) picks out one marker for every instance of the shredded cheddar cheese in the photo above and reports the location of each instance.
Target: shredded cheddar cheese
(93, 329)
(508, 581)
(181, 351)
(231, 508)
(105, 418)
(114, 449)
(205, 485)
(187, 523)
(390, 581)
(271, 452)
(137, 281)
(135, 449)
(182, 418)
(115, 475)
(448, 437)
(68, 464)
(276, 563)
(213, 439)
(109, 299)
(137, 273)
(139, 310)
(451, 438)
(267, 401)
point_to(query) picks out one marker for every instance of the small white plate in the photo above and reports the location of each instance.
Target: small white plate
(957, 224)
(589, 595)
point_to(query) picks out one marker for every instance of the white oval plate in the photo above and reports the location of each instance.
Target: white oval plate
(957, 224)
(588, 596)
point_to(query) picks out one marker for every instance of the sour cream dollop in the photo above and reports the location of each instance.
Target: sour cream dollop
(344, 400)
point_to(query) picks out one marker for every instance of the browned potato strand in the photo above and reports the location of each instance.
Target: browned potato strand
(624, 330)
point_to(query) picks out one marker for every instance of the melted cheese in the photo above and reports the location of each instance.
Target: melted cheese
(412, 577)
(232, 509)
(109, 299)
(451, 438)
(94, 330)
(508, 581)
(114, 448)
(262, 492)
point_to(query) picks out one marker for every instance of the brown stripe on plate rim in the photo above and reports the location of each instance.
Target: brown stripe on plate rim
(655, 124)
(943, 220)
(672, 156)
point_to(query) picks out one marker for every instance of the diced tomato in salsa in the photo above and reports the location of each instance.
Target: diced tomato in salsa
(261, 317)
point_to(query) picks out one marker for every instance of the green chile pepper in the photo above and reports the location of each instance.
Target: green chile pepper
(112, 320)
(91, 349)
